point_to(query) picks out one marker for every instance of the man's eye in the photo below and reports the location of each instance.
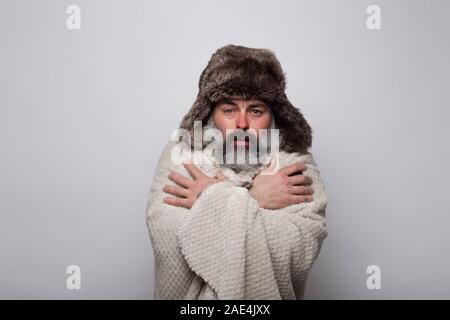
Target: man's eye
(256, 112)
(228, 110)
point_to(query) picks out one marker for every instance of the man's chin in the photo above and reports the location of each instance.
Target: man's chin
(245, 165)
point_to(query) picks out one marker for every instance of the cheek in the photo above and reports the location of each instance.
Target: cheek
(222, 123)
(262, 122)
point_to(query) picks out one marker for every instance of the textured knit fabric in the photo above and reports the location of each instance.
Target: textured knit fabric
(226, 246)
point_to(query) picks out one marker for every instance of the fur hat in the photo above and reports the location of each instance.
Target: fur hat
(241, 72)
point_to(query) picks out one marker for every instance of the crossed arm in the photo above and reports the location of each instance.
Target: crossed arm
(287, 187)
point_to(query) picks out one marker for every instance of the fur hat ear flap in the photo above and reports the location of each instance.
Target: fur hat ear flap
(295, 132)
(199, 111)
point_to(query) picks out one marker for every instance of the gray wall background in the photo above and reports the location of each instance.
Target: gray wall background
(85, 114)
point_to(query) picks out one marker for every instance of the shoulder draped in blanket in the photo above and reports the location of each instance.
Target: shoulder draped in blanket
(226, 246)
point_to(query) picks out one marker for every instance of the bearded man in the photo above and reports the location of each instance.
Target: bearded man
(237, 216)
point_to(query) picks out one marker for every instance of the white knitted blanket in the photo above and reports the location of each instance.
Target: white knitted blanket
(226, 246)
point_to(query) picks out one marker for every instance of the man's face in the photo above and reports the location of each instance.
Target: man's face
(242, 124)
(234, 114)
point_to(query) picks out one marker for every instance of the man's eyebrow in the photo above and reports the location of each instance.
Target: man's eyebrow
(228, 101)
(258, 104)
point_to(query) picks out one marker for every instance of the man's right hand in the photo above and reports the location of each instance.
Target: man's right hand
(287, 187)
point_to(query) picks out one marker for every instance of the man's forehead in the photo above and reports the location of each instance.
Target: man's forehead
(237, 101)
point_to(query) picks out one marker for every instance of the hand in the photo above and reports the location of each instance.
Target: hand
(285, 188)
(187, 191)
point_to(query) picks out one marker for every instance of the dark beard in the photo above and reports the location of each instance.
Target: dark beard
(251, 158)
(241, 158)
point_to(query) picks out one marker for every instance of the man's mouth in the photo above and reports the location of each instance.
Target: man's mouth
(241, 143)
(244, 143)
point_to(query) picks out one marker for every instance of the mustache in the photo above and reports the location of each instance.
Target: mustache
(241, 136)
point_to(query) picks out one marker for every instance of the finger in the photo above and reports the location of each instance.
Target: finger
(178, 202)
(193, 170)
(302, 190)
(293, 168)
(299, 179)
(176, 191)
(301, 199)
(220, 176)
(180, 180)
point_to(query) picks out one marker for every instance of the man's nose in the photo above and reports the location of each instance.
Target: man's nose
(242, 122)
